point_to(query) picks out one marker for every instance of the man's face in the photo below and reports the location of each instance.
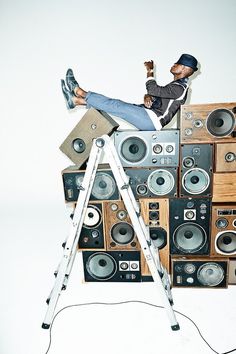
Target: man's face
(177, 69)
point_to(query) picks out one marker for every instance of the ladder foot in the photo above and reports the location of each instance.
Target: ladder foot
(45, 326)
(175, 327)
(171, 302)
(47, 301)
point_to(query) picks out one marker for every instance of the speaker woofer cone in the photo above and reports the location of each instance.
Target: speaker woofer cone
(195, 181)
(101, 266)
(160, 182)
(78, 145)
(159, 236)
(220, 122)
(92, 217)
(133, 149)
(122, 233)
(104, 186)
(210, 274)
(189, 238)
(225, 242)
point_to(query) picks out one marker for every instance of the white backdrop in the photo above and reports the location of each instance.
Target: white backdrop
(105, 43)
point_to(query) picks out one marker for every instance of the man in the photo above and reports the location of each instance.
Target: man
(160, 103)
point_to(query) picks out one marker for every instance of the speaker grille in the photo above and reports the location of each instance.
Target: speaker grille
(220, 122)
(189, 238)
(210, 274)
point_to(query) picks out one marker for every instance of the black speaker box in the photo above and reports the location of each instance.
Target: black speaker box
(113, 266)
(189, 224)
(92, 125)
(196, 169)
(104, 187)
(200, 273)
(148, 148)
(153, 182)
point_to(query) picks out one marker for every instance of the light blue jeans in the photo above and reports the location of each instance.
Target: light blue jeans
(132, 113)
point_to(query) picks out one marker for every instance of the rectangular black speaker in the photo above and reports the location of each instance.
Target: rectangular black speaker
(189, 222)
(200, 273)
(196, 170)
(148, 148)
(153, 182)
(112, 266)
(93, 124)
(104, 187)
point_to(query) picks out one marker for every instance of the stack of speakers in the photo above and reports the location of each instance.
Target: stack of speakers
(185, 182)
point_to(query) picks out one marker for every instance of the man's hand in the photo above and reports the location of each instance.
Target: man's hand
(149, 65)
(148, 101)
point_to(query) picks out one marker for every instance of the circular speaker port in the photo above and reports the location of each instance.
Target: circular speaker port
(101, 266)
(142, 189)
(210, 274)
(220, 122)
(157, 148)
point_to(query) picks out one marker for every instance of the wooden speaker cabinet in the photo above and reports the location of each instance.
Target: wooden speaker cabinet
(223, 230)
(225, 157)
(206, 123)
(119, 231)
(224, 187)
(92, 125)
(232, 271)
(155, 213)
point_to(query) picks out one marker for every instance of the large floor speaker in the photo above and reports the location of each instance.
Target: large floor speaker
(119, 230)
(153, 182)
(114, 266)
(92, 232)
(148, 148)
(200, 273)
(232, 271)
(78, 143)
(190, 226)
(225, 157)
(208, 123)
(224, 187)
(196, 169)
(104, 187)
(155, 213)
(223, 230)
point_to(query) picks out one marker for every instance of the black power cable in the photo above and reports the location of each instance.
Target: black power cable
(128, 302)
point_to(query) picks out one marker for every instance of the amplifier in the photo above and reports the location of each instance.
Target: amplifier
(208, 123)
(148, 148)
(199, 272)
(113, 266)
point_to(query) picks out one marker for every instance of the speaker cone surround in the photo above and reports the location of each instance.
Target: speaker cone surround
(133, 149)
(210, 274)
(101, 266)
(225, 242)
(92, 217)
(220, 122)
(195, 181)
(160, 182)
(159, 236)
(189, 238)
(122, 233)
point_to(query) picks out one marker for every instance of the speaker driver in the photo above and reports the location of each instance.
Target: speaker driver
(230, 157)
(159, 236)
(101, 266)
(122, 233)
(92, 217)
(210, 274)
(78, 145)
(160, 182)
(189, 237)
(226, 242)
(104, 186)
(220, 122)
(133, 149)
(195, 181)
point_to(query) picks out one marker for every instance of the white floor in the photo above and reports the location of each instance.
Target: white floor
(31, 251)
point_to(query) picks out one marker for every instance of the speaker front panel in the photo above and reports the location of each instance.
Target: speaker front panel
(225, 157)
(224, 187)
(78, 143)
(189, 223)
(232, 271)
(148, 148)
(119, 231)
(113, 266)
(208, 123)
(153, 182)
(155, 213)
(196, 169)
(104, 187)
(92, 232)
(223, 230)
(200, 273)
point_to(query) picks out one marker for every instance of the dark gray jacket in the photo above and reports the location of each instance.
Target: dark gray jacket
(167, 99)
